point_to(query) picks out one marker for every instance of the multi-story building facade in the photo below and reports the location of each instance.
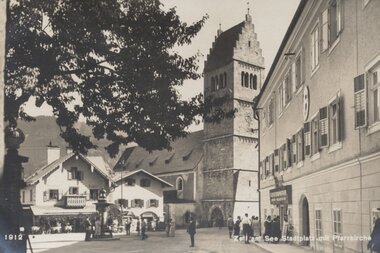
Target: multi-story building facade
(319, 125)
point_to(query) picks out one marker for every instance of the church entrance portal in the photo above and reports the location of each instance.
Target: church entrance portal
(217, 219)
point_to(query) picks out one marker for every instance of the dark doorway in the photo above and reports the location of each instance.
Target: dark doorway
(217, 219)
(305, 221)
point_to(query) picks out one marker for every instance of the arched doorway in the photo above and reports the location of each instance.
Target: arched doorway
(304, 220)
(216, 217)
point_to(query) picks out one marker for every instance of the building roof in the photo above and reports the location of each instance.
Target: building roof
(45, 170)
(186, 153)
(119, 175)
(288, 33)
(223, 48)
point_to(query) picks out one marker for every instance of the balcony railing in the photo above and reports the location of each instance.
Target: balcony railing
(75, 201)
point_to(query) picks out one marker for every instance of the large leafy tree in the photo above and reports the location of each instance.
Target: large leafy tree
(113, 59)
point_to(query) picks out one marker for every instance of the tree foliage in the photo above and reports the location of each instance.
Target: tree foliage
(116, 57)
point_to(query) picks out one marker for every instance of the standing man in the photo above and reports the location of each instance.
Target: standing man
(138, 226)
(191, 231)
(246, 228)
(88, 227)
(230, 225)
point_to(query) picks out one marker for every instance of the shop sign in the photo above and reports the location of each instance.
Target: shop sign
(281, 195)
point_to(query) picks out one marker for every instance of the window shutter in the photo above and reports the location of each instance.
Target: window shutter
(307, 138)
(340, 119)
(303, 64)
(289, 152)
(148, 203)
(323, 127)
(60, 193)
(45, 196)
(276, 161)
(133, 203)
(294, 149)
(360, 101)
(261, 170)
(157, 202)
(266, 167)
(141, 203)
(272, 163)
(302, 140)
(69, 175)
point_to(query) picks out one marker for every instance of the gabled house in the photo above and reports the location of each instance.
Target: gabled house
(67, 185)
(139, 193)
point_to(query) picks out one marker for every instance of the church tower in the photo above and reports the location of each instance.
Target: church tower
(234, 69)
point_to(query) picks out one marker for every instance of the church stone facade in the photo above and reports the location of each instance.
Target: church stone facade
(214, 171)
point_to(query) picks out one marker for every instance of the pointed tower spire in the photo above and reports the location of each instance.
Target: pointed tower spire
(248, 17)
(219, 30)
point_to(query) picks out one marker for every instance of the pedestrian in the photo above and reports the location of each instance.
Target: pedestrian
(154, 224)
(230, 225)
(237, 228)
(285, 229)
(88, 229)
(143, 229)
(256, 228)
(267, 228)
(246, 228)
(138, 226)
(276, 230)
(191, 230)
(98, 225)
(374, 243)
(168, 227)
(128, 226)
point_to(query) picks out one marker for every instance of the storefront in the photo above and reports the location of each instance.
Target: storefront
(281, 198)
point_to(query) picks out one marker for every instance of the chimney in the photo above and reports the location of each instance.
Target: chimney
(53, 153)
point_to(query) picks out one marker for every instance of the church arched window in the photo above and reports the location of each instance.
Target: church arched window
(216, 83)
(221, 81)
(251, 81)
(242, 79)
(255, 82)
(179, 184)
(225, 80)
(246, 80)
(212, 83)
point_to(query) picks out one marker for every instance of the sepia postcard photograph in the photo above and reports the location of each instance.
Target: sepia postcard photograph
(205, 126)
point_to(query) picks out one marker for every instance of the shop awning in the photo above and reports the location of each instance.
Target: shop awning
(54, 210)
(149, 215)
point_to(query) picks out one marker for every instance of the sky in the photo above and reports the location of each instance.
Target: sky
(270, 17)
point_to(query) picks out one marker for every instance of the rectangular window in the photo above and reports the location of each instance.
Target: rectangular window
(267, 167)
(53, 194)
(360, 101)
(325, 30)
(284, 157)
(94, 193)
(145, 183)
(288, 87)
(335, 121)
(337, 227)
(315, 47)
(323, 127)
(280, 97)
(318, 224)
(315, 136)
(130, 181)
(138, 203)
(307, 138)
(153, 203)
(289, 157)
(73, 191)
(374, 96)
(299, 70)
(335, 12)
(294, 149)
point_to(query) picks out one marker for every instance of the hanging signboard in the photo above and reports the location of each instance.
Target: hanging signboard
(281, 195)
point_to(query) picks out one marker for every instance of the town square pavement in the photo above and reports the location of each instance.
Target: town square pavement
(209, 240)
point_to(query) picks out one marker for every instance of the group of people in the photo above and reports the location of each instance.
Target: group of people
(141, 227)
(273, 232)
(92, 230)
(244, 227)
